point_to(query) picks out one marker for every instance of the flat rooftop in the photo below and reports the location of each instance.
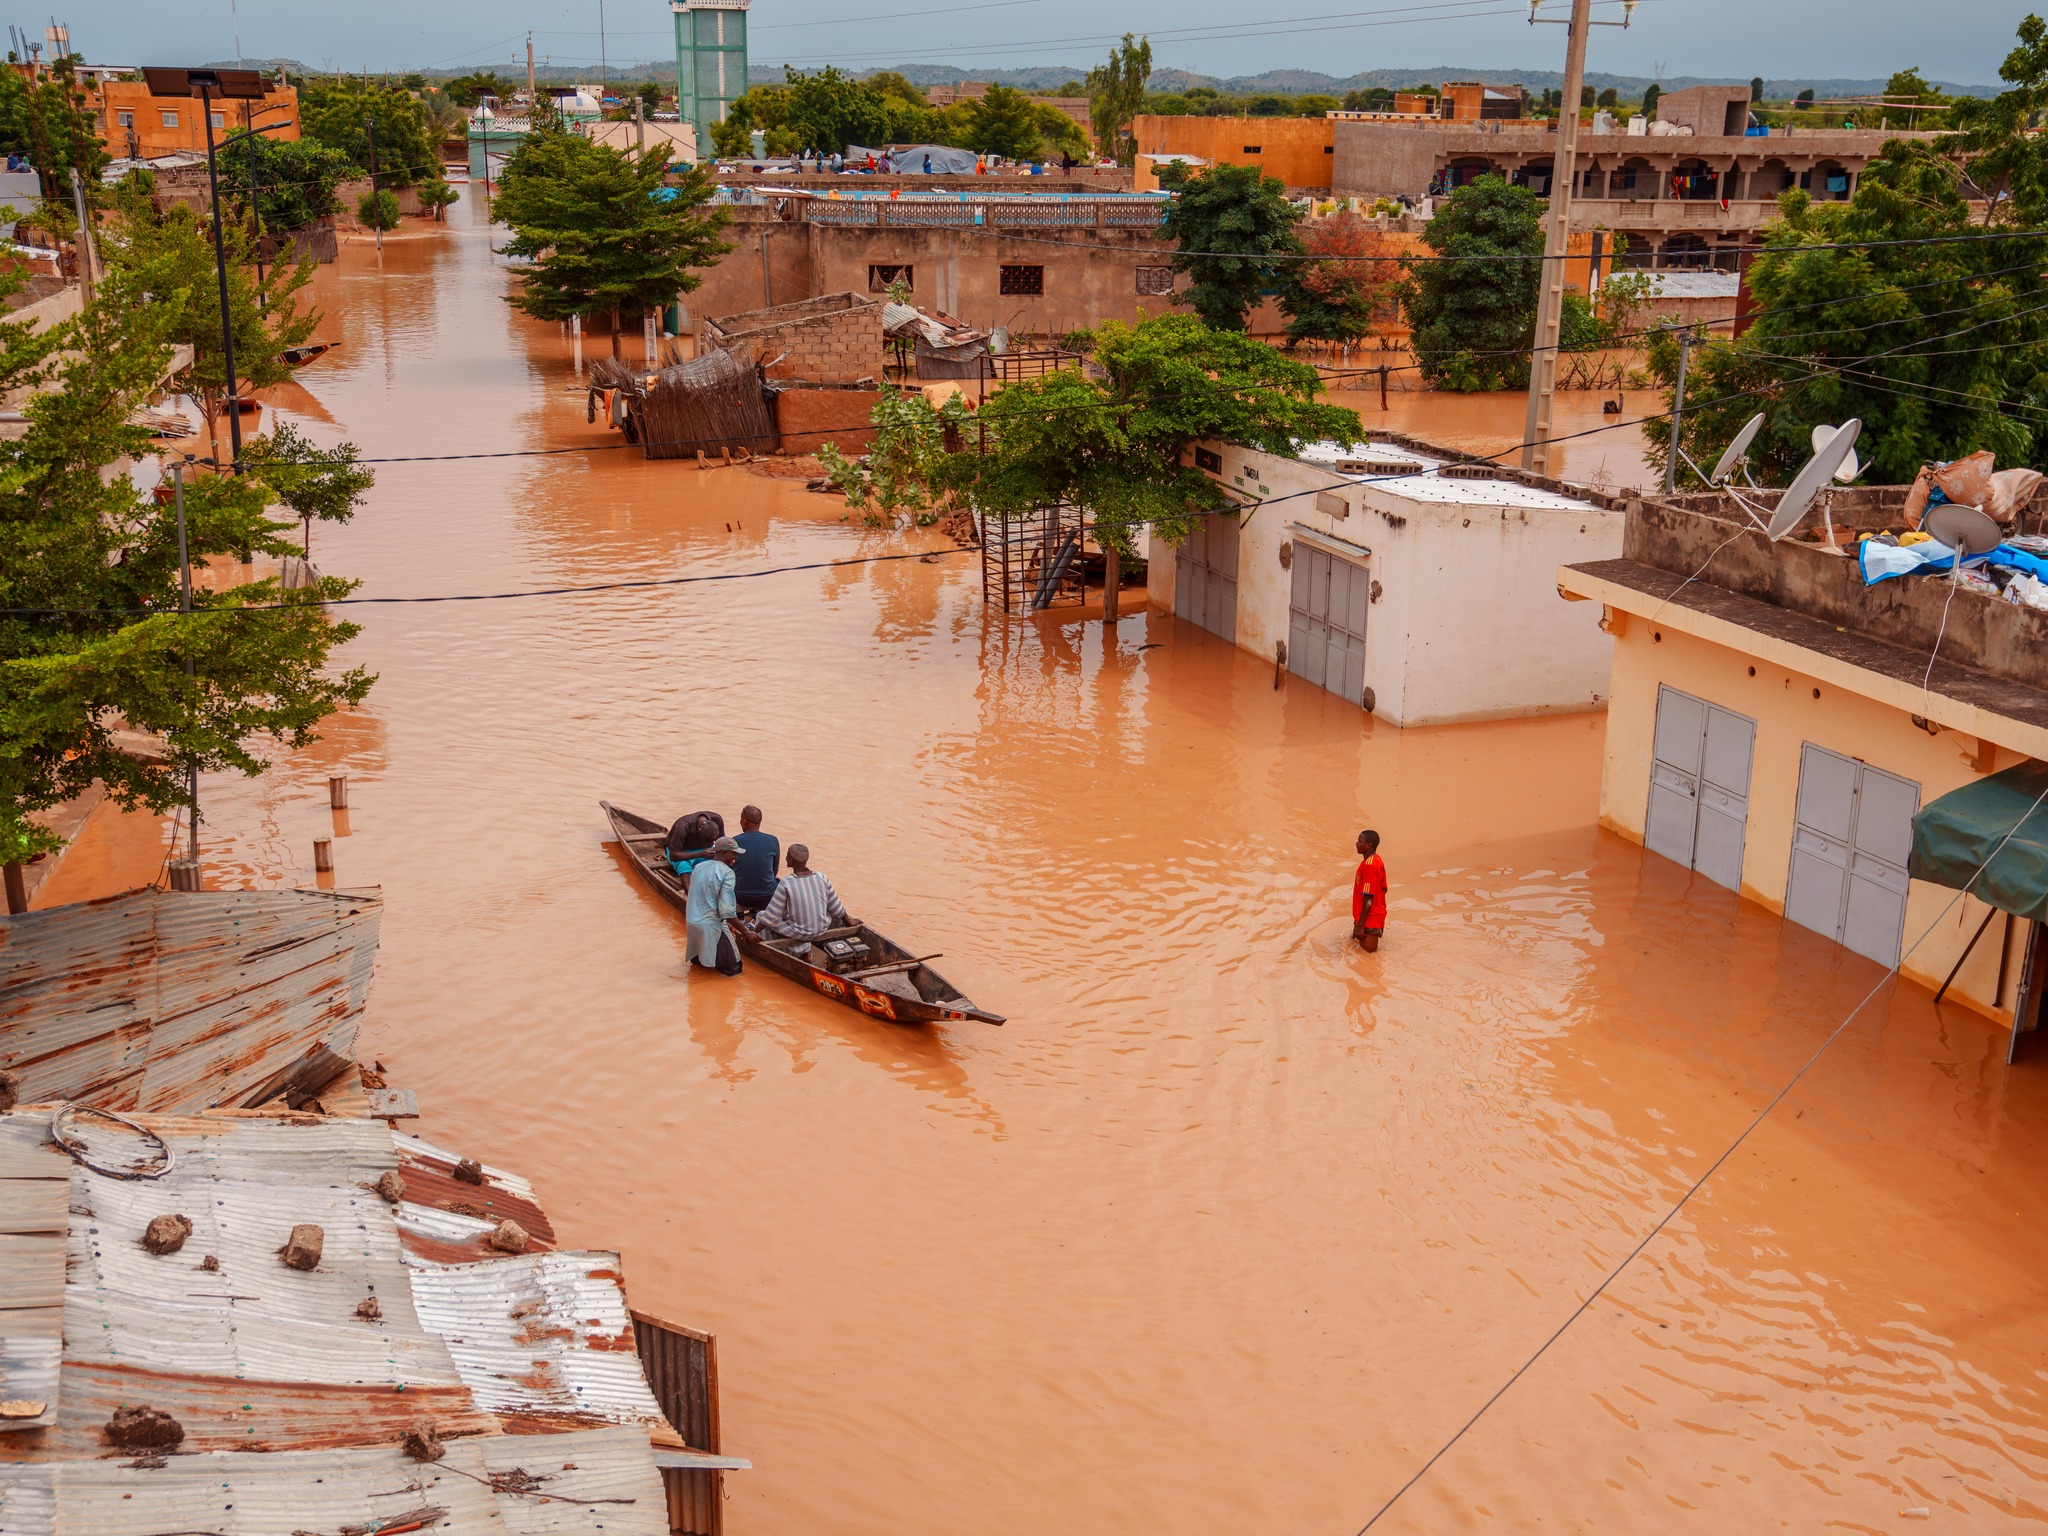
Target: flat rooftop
(1404, 467)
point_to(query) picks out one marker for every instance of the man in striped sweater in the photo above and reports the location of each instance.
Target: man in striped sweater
(804, 905)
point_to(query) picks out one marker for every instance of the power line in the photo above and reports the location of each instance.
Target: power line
(1714, 1167)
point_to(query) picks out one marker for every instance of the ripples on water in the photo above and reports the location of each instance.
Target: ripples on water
(1231, 1225)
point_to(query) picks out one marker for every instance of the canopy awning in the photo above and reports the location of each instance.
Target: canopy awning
(1954, 836)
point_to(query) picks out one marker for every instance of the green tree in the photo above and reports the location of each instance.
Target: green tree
(827, 111)
(1266, 106)
(650, 94)
(1472, 310)
(1115, 90)
(334, 112)
(1651, 96)
(292, 183)
(1939, 349)
(1995, 142)
(1004, 122)
(59, 130)
(1803, 101)
(438, 196)
(470, 89)
(1314, 106)
(1378, 98)
(1335, 295)
(1756, 90)
(1610, 98)
(319, 484)
(1233, 229)
(116, 651)
(1112, 439)
(606, 231)
(266, 314)
(378, 209)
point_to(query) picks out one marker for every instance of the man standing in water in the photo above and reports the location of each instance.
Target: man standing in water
(1369, 893)
(711, 903)
(760, 852)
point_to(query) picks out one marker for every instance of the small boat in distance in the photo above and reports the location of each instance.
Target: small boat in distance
(855, 965)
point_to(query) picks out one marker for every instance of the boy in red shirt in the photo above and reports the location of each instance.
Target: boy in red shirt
(1369, 893)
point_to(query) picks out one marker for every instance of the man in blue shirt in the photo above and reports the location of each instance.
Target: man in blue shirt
(760, 853)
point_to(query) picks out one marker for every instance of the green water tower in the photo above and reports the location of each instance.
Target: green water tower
(711, 62)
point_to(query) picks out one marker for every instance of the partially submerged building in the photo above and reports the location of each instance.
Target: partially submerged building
(1780, 728)
(1410, 582)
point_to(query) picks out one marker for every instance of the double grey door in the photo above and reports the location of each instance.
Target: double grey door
(1205, 576)
(1852, 832)
(1699, 786)
(1326, 621)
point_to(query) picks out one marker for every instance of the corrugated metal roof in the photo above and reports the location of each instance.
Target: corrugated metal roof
(253, 1356)
(35, 1200)
(173, 1002)
(588, 1482)
(542, 1338)
(448, 1220)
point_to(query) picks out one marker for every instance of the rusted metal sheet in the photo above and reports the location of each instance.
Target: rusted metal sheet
(682, 1369)
(175, 1002)
(542, 1339)
(447, 1220)
(560, 1485)
(35, 1200)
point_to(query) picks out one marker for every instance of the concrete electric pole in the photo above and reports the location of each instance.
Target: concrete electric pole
(1564, 171)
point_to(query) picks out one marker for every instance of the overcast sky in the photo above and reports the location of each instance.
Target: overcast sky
(1782, 39)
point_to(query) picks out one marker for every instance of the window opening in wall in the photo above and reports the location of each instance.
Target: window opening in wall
(220, 119)
(1210, 460)
(1254, 149)
(881, 277)
(1155, 280)
(125, 119)
(1025, 282)
(170, 119)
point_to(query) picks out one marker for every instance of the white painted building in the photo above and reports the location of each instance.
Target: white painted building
(1422, 588)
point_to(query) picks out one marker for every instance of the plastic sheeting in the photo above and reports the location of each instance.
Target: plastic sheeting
(1966, 831)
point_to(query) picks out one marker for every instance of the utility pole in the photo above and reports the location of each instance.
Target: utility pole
(1677, 412)
(220, 259)
(639, 123)
(187, 877)
(377, 212)
(604, 68)
(88, 268)
(1564, 173)
(529, 71)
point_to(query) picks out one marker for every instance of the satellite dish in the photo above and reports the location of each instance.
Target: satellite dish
(1823, 434)
(1733, 453)
(1963, 529)
(1798, 497)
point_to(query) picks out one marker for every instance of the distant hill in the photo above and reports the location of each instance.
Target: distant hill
(1302, 82)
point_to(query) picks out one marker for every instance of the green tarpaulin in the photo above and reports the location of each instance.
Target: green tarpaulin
(1953, 836)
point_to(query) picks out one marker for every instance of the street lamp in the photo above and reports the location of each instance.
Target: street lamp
(209, 85)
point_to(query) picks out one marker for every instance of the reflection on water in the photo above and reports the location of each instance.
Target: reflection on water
(1231, 1225)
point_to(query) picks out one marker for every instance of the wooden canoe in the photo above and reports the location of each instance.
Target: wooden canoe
(888, 982)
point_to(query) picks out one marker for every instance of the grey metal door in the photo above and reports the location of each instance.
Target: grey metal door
(1326, 621)
(1205, 576)
(1853, 827)
(1699, 786)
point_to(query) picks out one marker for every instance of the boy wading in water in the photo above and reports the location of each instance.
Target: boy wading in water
(1369, 893)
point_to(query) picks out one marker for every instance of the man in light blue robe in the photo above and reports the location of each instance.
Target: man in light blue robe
(713, 899)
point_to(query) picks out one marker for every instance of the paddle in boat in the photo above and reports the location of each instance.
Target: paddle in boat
(854, 965)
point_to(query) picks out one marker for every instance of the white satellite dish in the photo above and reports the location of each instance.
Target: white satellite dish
(1820, 469)
(1823, 434)
(1963, 529)
(1732, 454)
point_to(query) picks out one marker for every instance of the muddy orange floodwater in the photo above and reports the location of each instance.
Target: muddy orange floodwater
(1232, 1226)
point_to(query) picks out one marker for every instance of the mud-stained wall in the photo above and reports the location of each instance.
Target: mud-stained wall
(1787, 712)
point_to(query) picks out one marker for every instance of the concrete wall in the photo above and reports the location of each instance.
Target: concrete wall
(1465, 622)
(1298, 150)
(149, 136)
(1090, 275)
(833, 339)
(1787, 713)
(809, 418)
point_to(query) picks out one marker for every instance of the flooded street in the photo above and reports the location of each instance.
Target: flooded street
(1231, 1226)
